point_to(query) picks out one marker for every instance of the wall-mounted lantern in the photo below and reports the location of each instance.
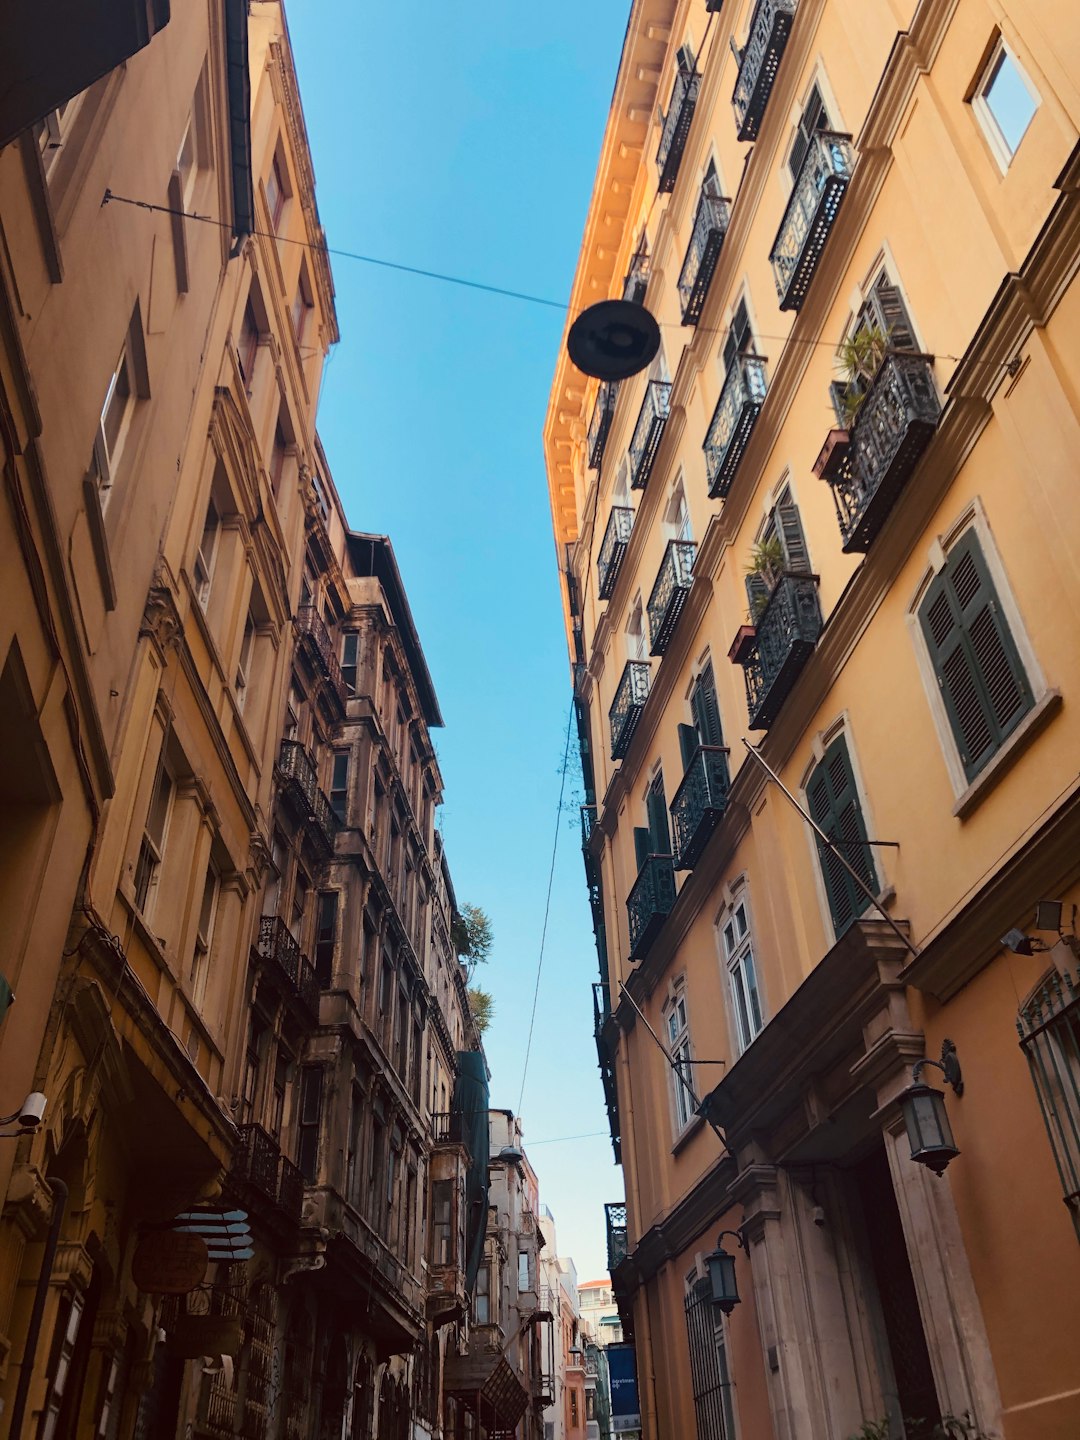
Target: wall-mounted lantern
(928, 1130)
(721, 1267)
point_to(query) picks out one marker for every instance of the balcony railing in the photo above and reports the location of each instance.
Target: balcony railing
(760, 60)
(259, 1162)
(891, 431)
(706, 239)
(651, 898)
(627, 706)
(786, 633)
(741, 398)
(676, 128)
(811, 210)
(300, 784)
(617, 1247)
(446, 1127)
(645, 441)
(278, 948)
(620, 526)
(320, 646)
(699, 803)
(669, 592)
(637, 278)
(600, 424)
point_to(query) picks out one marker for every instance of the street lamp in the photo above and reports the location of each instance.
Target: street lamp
(721, 1266)
(613, 339)
(928, 1130)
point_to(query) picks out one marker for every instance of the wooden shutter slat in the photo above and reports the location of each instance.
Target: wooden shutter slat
(688, 744)
(789, 528)
(834, 805)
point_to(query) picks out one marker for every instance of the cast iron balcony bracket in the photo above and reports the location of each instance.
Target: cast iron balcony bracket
(741, 398)
(620, 526)
(706, 239)
(648, 432)
(894, 425)
(626, 708)
(770, 27)
(786, 633)
(699, 803)
(812, 207)
(669, 592)
(649, 902)
(600, 424)
(676, 128)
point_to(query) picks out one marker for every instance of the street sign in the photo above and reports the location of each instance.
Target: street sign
(622, 1375)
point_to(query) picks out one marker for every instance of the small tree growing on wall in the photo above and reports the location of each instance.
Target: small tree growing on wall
(473, 938)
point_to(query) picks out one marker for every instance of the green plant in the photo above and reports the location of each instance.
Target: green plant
(766, 559)
(482, 1006)
(857, 361)
(472, 937)
(949, 1427)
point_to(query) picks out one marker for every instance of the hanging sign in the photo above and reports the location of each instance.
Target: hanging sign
(169, 1263)
(190, 1336)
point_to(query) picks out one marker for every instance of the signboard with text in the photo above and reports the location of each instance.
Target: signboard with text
(622, 1375)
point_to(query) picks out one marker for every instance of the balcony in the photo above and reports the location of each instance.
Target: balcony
(649, 902)
(258, 1162)
(600, 424)
(785, 636)
(447, 1128)
(300, 787)
(891, 431)
(620, 527)
(318, 644)
(627, 706)
(699, 803)
(706, 239)
(648, 431)
(760, 60)
(637, 279)
(676, 128)
(744, 390)
(282, 954)
(808, 219)
(669, 592)
(617, 1246)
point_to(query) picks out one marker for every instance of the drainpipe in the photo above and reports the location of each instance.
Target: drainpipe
(33, 1333)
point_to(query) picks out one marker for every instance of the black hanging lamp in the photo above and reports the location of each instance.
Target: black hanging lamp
(613, 339)
(925, 1119)
(721, 1266)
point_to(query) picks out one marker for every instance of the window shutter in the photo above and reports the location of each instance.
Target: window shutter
(757, 593)
(660, 839)
(738, 338)
(885, 308)
(706, 709)
(834, 805)
(688, 743)
(982, 682)
(789, 528)
(813, 118)
(642, 843)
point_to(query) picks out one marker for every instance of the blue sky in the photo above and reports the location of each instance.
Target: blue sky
(466, 141)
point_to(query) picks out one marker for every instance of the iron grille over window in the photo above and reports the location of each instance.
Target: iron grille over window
(1049, 1028)
(709, 1373)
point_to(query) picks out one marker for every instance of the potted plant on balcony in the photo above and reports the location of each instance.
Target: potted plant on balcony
(857, 361)
(767, 561)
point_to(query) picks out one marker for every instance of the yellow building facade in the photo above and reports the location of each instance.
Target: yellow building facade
(829, 522)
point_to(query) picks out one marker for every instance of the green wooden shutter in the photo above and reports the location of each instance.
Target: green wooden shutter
(789, 529)
(642, 844)
(888, 312)
(982, 681)
(757, 593)
(656, 808)
(688, 743)
(706, 710)
(834, 804)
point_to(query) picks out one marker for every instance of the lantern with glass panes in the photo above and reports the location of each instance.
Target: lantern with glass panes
(928, 1130)
(721, 1267)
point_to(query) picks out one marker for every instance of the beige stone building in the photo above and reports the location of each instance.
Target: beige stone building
(830, 521)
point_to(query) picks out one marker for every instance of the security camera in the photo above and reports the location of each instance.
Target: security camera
(32, 1109)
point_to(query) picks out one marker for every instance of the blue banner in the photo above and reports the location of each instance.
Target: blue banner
(622, 1374)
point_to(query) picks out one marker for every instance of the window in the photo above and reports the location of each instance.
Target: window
(574, 1409)
(833, 801)
(654, 837)
(677, 518)
(523, 1271)
(302, 306)
(706, 728)
(738, 946)
(55, 131)
(442, 1222)
(204, 556)
(187, 160)
(482, 1296)
(636, 648)
(62, 1362)
(350, 651)
(339, 784)
(386, 986)
(280, 1091)
(277, 456)
(247, 352)
(882, 323)
(1005, 102)
(243, 665)
(982, 682)
(677, 1026)
(780, 550)
(204, 934)
(813, 118)
(253, 1065)
(326, 938)
(301, 888)
(375, 1168)
(709, 1374)
(740, 338)
(113, 423)
(277, 189)
(1049, 1026)
(152, 849)
(307, 1149)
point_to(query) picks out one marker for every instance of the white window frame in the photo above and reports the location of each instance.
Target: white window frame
(54, 130)
(244, 664)
(204, 933)
(738, 952)
(106, 458)
(637, 645)
(677, 516)
(203, 569)
(154, 846)
(983, 110)
(677, 1039)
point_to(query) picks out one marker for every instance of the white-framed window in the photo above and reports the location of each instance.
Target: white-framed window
(636, 646)
(737, 940)
(55, 130)
(155, 834)
(1004, 102)
(677, 515)
(302, 306)
(68, 1323)
(114, 423)
(677, 1033)
(482, 1296)
(278, 188)
(204, 935)
(350, 659)
(206, 553)
(244, 663)
(523, 1271)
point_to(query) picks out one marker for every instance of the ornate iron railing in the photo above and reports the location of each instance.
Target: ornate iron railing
(256, 1160)
(786, 633)
(741, 397)
(446, 1127)
(588, 824)
(600, 424)
(620, 526)
(811, 210)
(759, 62)
(699, 803)
(320, 645)
(651, 897)
(645, 441)
(891, 431)
(1049, 1030)
(278, 948)
(637, 278)
(676, 127)
(615, 1216)
(626, 708)
(669, 592)
(300, 783)
(706, 240)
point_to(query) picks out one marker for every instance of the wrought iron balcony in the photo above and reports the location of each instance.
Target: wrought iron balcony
(627, 706)
(319, 645)
(669, 592)
(278, 948)
(710, 227)
(651, 898)
(620, 526)
(676, 128)
(811, 210)
(600, 424)
(786, 633)
(759, 62)
(446, 1128)
(617, 1247)
(699, 803)
(300, 787)
(741, 397)
(891, 431)
(258, 1162)
(637, 278)
(648, 431)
